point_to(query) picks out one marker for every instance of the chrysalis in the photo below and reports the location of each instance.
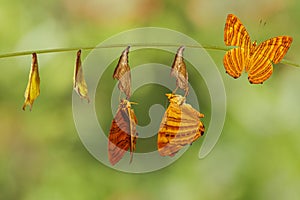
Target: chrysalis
(180, 126)
(33, 87)
(79, 83)
(122, 135)
(179, 71)
(122, 73)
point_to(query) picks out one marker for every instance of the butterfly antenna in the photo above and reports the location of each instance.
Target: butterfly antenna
(131, 146)
(262, 24)
(131, 157)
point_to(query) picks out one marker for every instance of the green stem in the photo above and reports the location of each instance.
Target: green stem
(287, 62)
(44, 51)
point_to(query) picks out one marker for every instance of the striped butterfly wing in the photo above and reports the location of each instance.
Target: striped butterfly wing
(180, 126)
(272, 50)
(122, 135)
(235, 61)
(235, 34)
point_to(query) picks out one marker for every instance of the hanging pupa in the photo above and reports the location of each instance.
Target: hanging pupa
(33, 87)
(122, 73)
(179, 71)
(79, 83)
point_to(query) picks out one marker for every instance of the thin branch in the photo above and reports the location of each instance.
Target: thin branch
(287, 62)
(44, 51)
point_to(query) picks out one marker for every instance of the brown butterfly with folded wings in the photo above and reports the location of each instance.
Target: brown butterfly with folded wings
(254, 59)
(180, 126)
(122, 135)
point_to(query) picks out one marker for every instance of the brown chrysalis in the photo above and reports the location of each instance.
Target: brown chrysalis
(180, 126)
(122, 135)
(122, 73)
(79, 83)
(179, 71)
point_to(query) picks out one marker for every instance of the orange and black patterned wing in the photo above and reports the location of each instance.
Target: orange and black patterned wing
(180, 126)
(235, 34)
(122, 73)
(122, 135)
(235, 61)
(272, 50)
(179, 71)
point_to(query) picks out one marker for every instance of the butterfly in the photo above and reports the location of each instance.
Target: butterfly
(255, 59)
(122, 135)
(122, 73)
(180, 126)
(179, 71)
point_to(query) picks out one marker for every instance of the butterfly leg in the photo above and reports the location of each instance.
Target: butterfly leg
(186, 91)
(174, 91)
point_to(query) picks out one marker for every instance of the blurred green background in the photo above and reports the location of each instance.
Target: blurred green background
(42, 157)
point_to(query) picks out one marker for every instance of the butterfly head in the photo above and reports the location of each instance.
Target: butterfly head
(176, 98)
(126, 104)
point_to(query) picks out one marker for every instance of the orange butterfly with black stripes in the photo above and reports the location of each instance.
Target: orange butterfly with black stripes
(255, 59)
(180, 126)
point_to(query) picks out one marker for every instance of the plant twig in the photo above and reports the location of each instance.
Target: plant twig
(57, 50)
